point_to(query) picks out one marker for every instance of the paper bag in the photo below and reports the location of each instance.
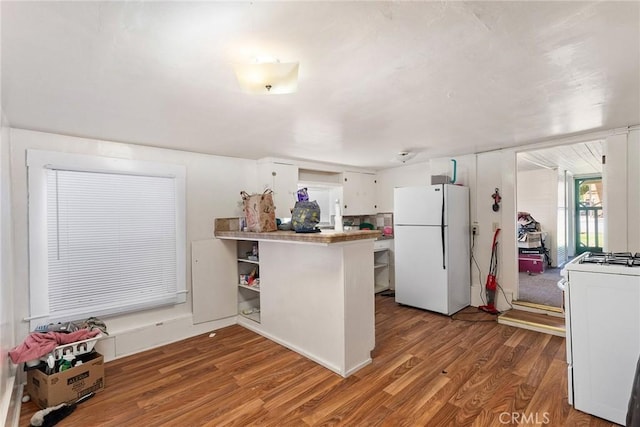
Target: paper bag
(259, 211)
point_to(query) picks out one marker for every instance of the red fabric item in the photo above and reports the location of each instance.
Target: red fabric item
(38, 344)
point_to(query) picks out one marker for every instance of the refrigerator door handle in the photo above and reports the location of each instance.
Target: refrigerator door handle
(444, 267)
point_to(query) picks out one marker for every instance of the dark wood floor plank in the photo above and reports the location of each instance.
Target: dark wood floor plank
(547, 396)
(427, 370)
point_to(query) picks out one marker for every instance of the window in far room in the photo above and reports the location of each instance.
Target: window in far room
(106, 236)
(589, 218)
(326, 196)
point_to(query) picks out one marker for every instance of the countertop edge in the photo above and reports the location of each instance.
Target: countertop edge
(324, 237)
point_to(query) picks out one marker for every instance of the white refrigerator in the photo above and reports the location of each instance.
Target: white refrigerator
(431, 240)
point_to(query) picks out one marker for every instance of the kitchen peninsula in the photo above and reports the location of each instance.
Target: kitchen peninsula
(315, 292)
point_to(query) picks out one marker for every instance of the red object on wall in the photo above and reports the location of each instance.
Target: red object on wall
(532, 263)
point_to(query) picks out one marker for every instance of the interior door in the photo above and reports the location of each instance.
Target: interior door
(589, 218)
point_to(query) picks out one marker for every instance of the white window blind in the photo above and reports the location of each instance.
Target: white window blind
(113, 243)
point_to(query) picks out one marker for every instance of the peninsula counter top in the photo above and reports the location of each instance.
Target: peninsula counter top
(227, 228)
(325, 236)
(316, 291)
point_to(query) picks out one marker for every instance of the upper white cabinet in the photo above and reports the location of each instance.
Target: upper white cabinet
(282, 178)
(359, 193)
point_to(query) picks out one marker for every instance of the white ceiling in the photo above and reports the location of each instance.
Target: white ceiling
(583, 158)
(376, 78)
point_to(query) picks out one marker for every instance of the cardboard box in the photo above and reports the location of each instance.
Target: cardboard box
(533, 240)
(66, 386)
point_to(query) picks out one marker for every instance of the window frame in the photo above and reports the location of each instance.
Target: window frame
(38, 163)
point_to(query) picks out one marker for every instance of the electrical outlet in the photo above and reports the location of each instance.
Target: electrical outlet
(474, 228)
(496, 225)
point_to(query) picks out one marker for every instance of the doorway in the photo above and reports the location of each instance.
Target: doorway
(559, 205)
(589, 219)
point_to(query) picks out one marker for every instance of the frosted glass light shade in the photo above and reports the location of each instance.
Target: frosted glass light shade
(268, 77)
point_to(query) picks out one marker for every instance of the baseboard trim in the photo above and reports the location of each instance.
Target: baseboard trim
(539, 322)
(538, 308)
(128, 342)
(344, 372)
(11, 402)
(552, 330)
(503, 297)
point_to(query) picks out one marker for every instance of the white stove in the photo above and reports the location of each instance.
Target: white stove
(602, 312)
(614, 263)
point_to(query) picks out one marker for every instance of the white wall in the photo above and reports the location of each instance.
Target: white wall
(633, 190)
(497, 169)
(213, 190)
(403, 176)
(8, 384)
(482, 173)
(466, 174)
(538, 194)
(621, 182)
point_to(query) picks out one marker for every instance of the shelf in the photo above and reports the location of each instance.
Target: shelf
(379, 288)
(253, 288)
(248, 264)
(253, 316)
(380, 269)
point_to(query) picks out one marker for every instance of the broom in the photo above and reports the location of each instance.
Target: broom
(51, 416)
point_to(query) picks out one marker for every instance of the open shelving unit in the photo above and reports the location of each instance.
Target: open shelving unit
(248, 294)
(381, 269)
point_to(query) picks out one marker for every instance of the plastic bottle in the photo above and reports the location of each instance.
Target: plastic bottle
(338, 218)
(67, 362)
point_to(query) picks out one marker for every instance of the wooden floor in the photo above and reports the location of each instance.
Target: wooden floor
(427, 370)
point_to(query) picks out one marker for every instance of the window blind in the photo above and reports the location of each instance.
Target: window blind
(111, 243)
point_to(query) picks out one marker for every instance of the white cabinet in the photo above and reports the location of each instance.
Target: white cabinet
(603, 338)
(381, 269)
(359, 193)
(282, 178)
(248, 280)
(212, 273)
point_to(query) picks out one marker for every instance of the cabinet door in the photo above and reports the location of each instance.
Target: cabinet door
(213, 275)
(358, 193)
(282, 178)
(605, 341)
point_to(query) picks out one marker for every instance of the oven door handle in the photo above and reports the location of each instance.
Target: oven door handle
(562, 284)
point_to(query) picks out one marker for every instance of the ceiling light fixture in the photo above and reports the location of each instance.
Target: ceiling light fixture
(273, 77)
(404, 156)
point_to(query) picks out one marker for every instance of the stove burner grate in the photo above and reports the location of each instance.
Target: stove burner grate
(615, 258)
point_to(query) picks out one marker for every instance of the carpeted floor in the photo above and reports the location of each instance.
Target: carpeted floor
(541, 288)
